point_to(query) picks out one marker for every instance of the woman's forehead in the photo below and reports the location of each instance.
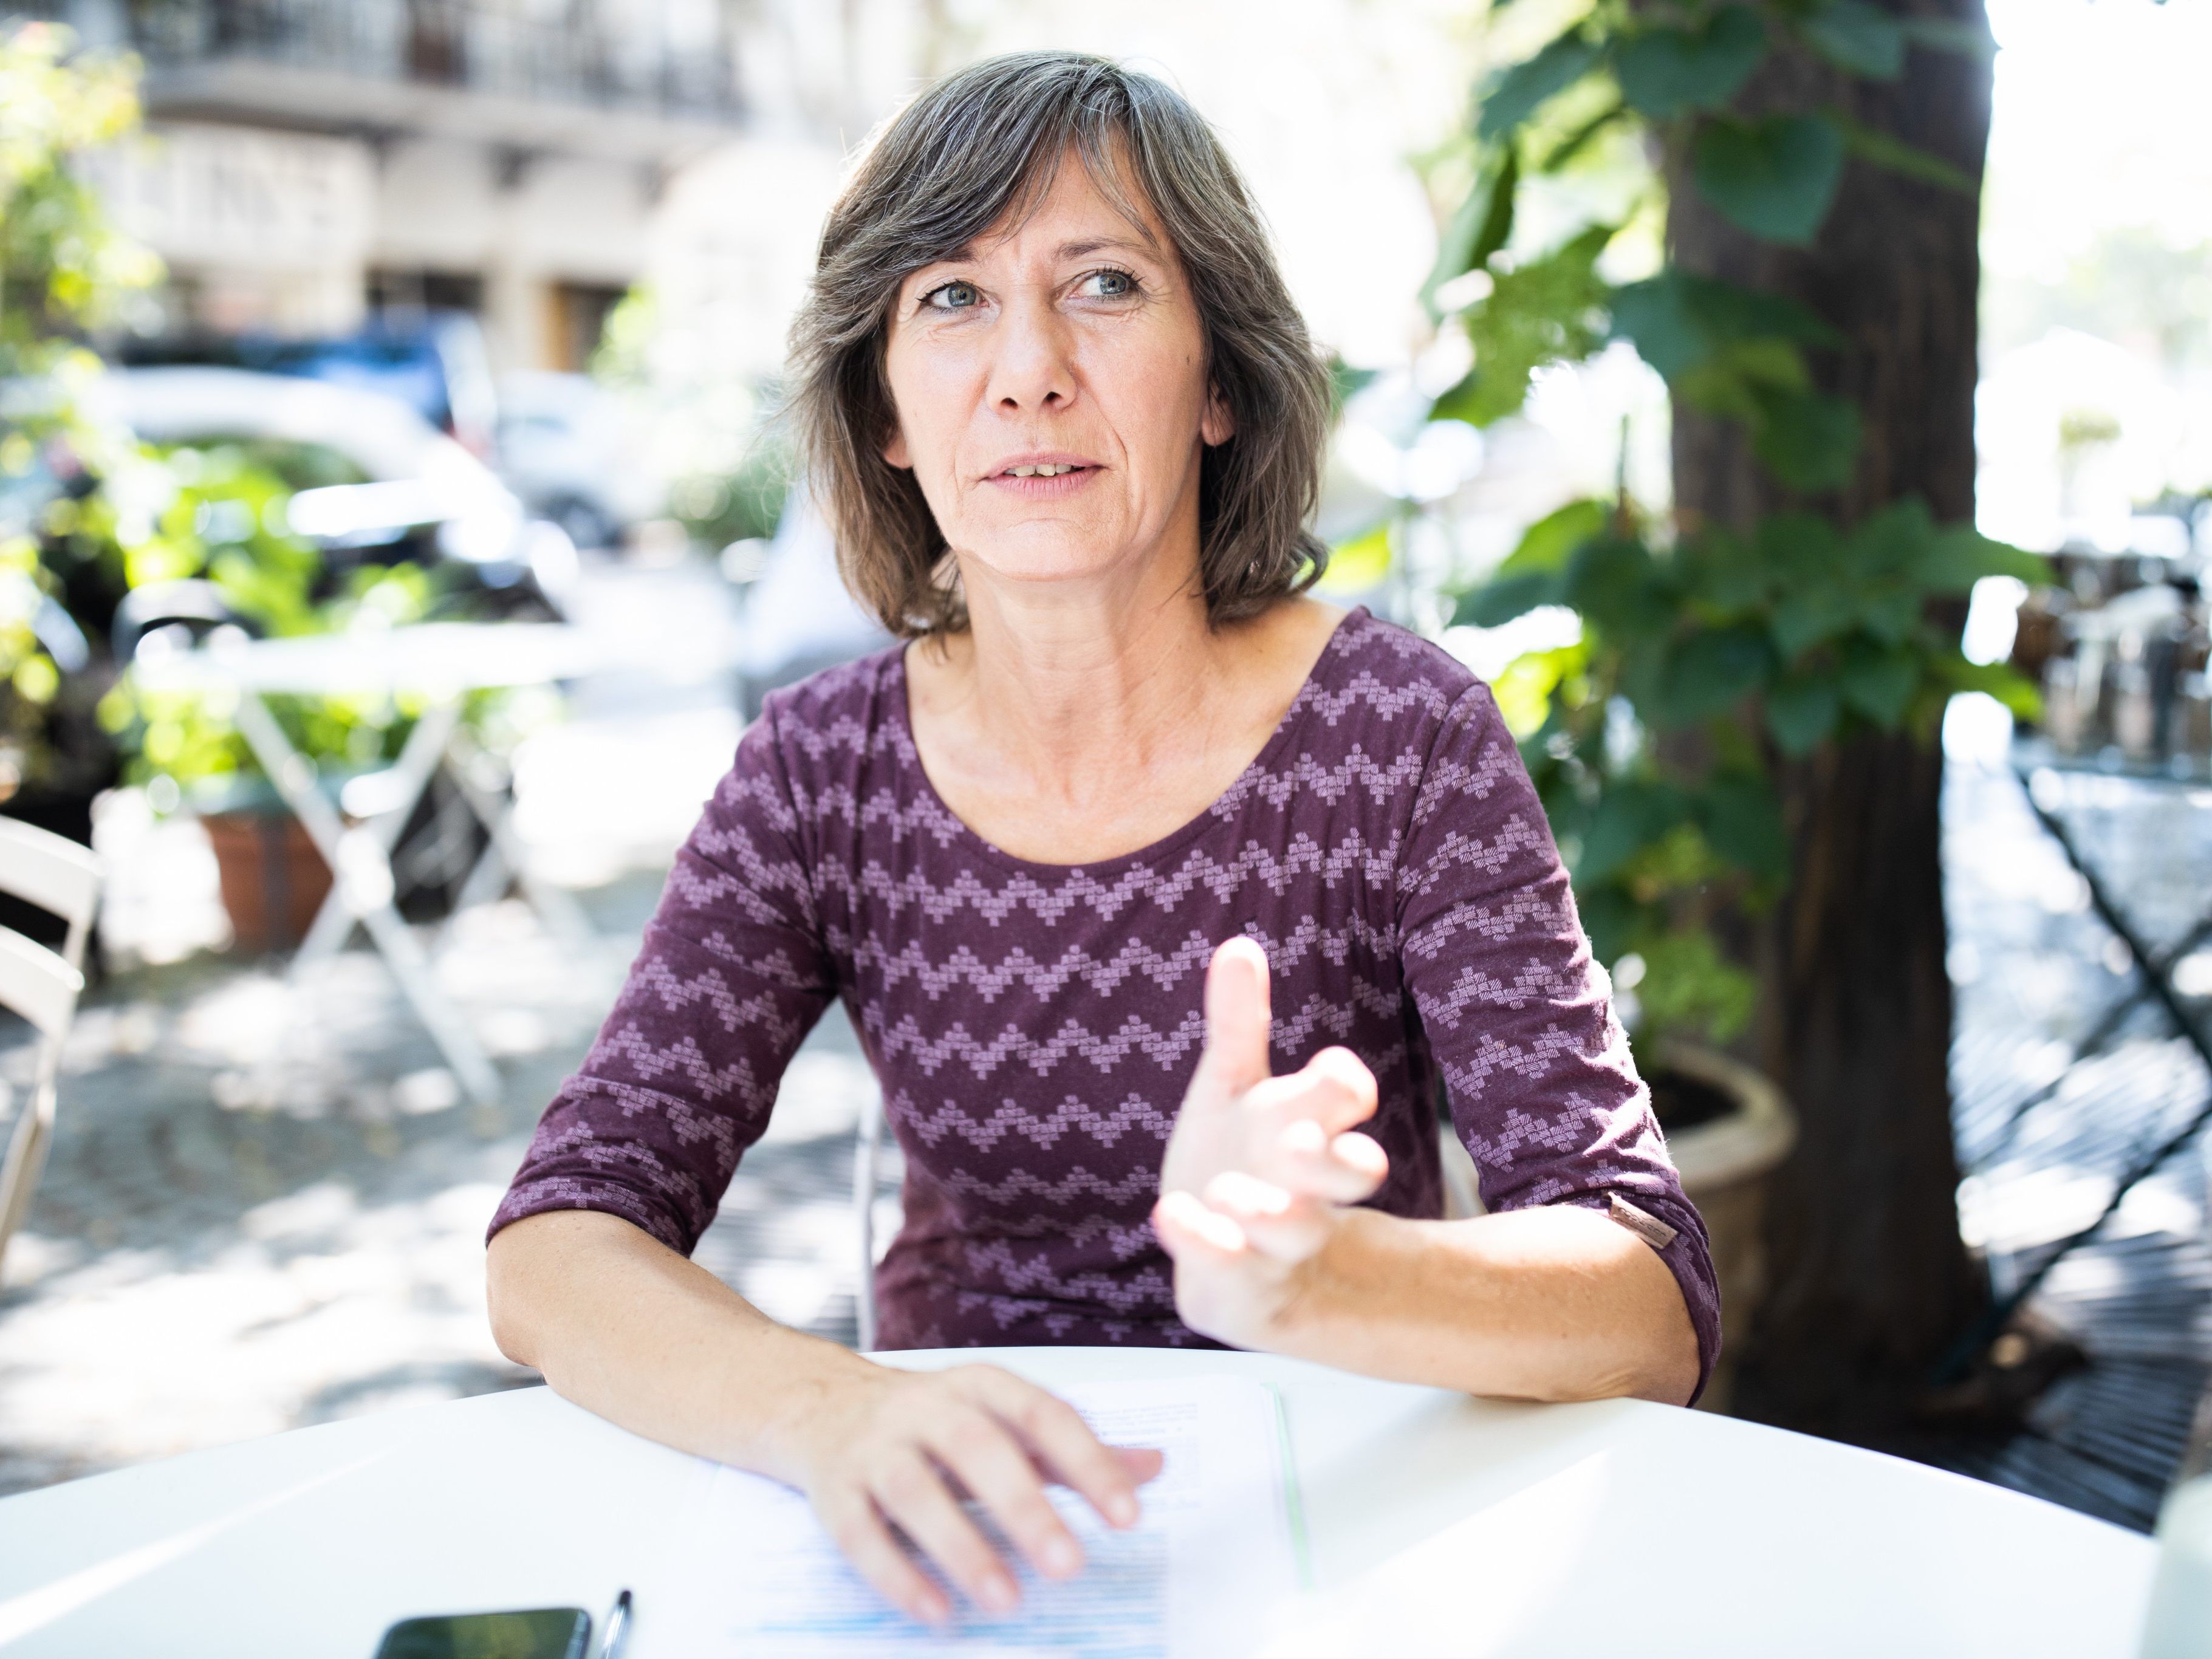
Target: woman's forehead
(1071, 209)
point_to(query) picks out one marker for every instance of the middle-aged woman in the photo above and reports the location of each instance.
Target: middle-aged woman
(1144, 878)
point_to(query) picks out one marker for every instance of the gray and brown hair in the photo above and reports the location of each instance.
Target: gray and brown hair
(982, 147)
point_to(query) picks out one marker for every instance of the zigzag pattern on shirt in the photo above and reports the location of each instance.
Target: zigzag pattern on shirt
(1123, 1293)
(700, 881)
(1560, 1134)
(1331, 783)
(685, 1057)
(1018, 967)
(1141, 1184)
(1365, 690)
(1133, 1037)
(1134, 1114)
(919, 815)
(1450, 782)
(1516, 836)
(776, 966)
(1534, 980)
(1535, 911)
(1352, 856)
(1335, 945)
(1467, 1078)
(656, 980)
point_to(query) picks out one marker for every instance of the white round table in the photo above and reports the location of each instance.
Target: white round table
(1437, 1524)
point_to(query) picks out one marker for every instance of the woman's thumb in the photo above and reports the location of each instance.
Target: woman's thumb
(1237, 1016)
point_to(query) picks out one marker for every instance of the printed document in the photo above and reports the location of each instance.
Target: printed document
(1218, 1552)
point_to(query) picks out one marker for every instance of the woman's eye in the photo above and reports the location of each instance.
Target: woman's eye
(952, 296)
(1107, 285)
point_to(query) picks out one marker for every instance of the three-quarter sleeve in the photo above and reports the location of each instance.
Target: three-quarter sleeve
(732, 975)
(1542, 1088)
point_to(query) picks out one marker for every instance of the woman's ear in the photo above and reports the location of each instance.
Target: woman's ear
(895, 449)
(1217, 426)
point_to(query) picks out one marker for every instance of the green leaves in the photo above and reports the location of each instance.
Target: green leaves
(1730, 352)
(1628, 817)
(1481, 225)
(1545, 311)
(1888, 151)
(1801, 710)
(1855, 36)
(1805, 438)
(1775, 178)
(1667, 72)
(1518, 92)
(1531, 575)
(1962, 555)
(1710, 672)
(1546, 544)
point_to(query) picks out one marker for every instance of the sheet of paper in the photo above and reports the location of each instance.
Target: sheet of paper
(1195, 1579)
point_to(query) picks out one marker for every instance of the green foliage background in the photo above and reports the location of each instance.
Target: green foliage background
(1708, 659)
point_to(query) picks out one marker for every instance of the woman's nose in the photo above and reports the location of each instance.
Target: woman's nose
(1031, 366)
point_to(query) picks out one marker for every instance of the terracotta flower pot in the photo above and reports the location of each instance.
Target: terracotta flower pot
(273, 878)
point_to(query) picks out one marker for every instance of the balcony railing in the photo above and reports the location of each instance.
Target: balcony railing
(637, 56)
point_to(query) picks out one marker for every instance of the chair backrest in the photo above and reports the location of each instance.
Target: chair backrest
(54, 873)
(38, 984)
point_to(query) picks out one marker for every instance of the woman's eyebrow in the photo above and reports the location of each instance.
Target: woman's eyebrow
(1102, 244)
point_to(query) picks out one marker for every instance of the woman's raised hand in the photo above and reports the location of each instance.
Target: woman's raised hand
(1259, 1166)
(892, 1449)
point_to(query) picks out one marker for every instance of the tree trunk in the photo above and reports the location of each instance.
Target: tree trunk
(1869, 1282)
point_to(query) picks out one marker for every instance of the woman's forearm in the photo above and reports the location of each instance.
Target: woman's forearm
(631, 1331)
(1551, 1303)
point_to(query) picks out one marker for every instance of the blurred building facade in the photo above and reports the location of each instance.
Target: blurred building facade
(309, 163)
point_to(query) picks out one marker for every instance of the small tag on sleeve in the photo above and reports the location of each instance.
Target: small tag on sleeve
(1649, 1227)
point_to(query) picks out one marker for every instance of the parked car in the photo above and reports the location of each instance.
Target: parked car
(434, 362)
(415, 493)
(565, 448)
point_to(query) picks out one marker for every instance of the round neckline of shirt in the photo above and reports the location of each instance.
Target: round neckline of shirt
(1196, 825)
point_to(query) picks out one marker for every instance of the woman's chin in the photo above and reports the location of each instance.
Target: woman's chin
(1032, 563)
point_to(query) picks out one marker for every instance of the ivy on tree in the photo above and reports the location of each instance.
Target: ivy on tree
(1745, 650)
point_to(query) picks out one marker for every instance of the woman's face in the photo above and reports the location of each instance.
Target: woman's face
(1052, 394)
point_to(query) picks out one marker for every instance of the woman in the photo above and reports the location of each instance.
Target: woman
(1124, 787)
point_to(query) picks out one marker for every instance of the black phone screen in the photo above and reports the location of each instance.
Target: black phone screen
(540, 1633)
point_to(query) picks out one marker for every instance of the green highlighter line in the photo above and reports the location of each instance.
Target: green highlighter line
(1294, 1507)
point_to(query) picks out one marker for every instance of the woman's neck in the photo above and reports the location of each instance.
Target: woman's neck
(1061, 676)
(1073, 721)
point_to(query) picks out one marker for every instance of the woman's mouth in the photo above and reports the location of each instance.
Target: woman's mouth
(1036, 480)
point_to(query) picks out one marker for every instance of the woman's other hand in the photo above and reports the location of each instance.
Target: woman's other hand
(892, 1449)
(1259, 1167)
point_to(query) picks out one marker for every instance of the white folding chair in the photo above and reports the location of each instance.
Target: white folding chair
(43, 986)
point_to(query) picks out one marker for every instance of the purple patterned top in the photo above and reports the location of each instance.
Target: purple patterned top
(1034, 1025)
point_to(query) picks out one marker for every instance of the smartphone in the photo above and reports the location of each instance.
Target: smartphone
(540, 1633)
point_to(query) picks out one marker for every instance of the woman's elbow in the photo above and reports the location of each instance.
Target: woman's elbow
(510, 1272)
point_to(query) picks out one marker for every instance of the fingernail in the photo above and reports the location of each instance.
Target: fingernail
(1061, 1557)
(998, 1593)
(1122, 1509)
(932, 1610)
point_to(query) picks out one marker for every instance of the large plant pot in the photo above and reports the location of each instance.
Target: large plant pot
(273, 878)
(1731, 1128)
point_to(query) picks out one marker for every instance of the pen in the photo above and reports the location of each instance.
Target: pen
(617, 1628)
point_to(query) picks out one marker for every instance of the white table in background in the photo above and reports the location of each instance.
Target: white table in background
(437, 665)
(1438, 1525)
